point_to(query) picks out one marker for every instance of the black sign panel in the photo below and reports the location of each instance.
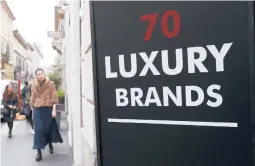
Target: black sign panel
(173, 83)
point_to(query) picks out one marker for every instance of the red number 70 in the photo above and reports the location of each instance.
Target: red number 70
(152, 18)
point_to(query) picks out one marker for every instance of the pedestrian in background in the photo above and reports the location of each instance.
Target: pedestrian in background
(24, 91)
(10, 103)
(27, 107)
(43, 102)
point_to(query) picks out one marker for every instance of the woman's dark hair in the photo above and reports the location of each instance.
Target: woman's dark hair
(39, 69)
(6, 95)
(6, 89)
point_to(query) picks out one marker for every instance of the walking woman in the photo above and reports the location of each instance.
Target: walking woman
(43, 102)
(27, 107)
(10, 103)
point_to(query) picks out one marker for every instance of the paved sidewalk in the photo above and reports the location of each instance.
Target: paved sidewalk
(18, 150)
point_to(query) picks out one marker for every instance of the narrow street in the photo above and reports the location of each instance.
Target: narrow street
(18, 150)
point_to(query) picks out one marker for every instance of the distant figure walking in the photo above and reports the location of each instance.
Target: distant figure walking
(24, 91)
(25, 104)
(43, 102)
(27, 107)
(10, 103)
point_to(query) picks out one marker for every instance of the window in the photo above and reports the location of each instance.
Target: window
(3, 46)
(18, 60)
(26, 66)
(62, 27)
(22, 64)
(6, 51)
(10, 54)
(14, 57)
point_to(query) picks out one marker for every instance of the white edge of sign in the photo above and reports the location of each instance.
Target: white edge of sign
(173, 122)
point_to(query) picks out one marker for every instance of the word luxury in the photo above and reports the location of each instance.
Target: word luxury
(194, 96)
(195, 57)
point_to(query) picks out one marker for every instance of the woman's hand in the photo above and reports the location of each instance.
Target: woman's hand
(54, 113)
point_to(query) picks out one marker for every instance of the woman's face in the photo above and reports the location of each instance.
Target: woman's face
(10, 88)
(40, 75)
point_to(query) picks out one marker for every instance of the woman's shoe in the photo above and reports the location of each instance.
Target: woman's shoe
(39, 155)
(10, 135)
(51, 148)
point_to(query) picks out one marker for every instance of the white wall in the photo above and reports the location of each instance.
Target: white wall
(89, 138)
(6, 25)
(72, 55)
(66, 51)
(85, 150)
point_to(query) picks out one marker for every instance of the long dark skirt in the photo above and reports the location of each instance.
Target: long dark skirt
(46, 129)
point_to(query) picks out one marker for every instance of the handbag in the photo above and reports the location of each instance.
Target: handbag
(10, 113)
(5, 112)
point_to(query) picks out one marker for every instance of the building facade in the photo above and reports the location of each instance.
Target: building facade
(18, 57)
(21, 54)
(30, 62)
(57, 43)
(7, 19)
(76, 50)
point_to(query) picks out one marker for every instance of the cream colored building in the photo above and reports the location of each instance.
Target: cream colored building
(21, 52)
(30, 62)
(7, 20)
(16, 52)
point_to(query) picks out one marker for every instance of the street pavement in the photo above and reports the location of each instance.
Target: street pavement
(18, 150)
